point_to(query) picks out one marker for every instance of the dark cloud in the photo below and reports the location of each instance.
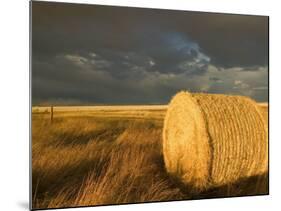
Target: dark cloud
(215, 79)
(230, 40)
(101, 54)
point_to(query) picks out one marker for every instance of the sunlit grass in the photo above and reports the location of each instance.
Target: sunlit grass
(93, 159)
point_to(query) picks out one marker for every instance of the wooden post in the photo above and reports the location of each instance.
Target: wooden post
(52, 113)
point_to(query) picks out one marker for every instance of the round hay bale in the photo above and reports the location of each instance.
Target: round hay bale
(212, 140)
(264, 112)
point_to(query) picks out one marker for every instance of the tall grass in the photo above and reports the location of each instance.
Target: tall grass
(82, 161)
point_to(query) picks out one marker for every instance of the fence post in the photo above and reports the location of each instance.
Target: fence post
(52, 113)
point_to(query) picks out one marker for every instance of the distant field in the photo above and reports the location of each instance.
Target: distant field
(127, 111)
(101, 108)
(141, 112)
(91, 155)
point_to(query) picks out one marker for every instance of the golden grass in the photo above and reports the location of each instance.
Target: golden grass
(90, 161)
(92, 158)
(141, 112)
(213, 140)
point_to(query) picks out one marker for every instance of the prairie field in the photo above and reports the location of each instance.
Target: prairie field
(110, 155)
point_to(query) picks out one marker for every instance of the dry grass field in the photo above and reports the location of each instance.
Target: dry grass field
(109, 155)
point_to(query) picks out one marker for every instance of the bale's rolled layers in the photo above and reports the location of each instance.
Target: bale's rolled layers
(213, 140)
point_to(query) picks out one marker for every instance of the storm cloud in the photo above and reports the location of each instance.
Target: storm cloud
(93, 54)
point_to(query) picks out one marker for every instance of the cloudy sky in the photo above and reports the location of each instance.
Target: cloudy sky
(90, 54)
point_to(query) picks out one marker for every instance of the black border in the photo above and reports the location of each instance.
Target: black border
(30, 104)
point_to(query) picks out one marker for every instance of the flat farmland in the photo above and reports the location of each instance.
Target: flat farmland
(93, 155)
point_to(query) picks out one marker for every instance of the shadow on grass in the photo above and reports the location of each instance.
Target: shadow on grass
(250, 186)
(48, 184)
